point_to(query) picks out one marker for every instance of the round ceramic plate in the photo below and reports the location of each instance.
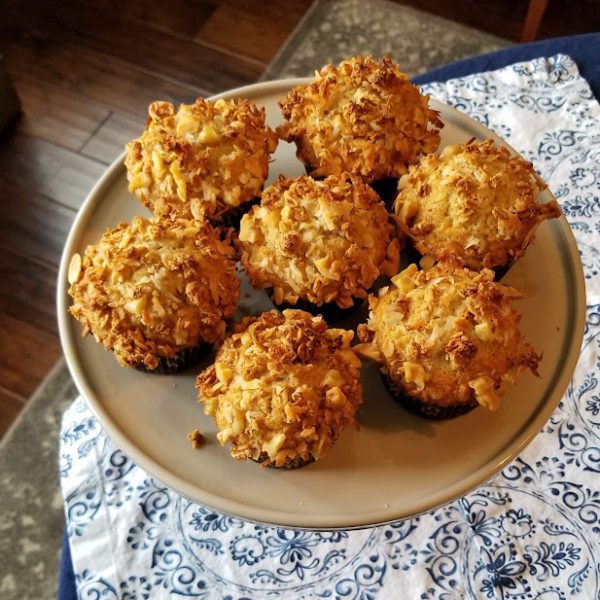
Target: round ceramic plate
(397, 464)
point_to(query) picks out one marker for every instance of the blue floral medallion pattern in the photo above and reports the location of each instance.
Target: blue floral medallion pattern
(531, 533)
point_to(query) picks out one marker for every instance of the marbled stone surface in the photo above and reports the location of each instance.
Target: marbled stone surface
(31, 513)
(418, 41)
(31, 509)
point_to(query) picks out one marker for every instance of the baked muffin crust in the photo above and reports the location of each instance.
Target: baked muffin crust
(363, 116)
(148, 290)
(322, 241)
(201, 160)
(475, 203)
(282, 386)
(447, 336)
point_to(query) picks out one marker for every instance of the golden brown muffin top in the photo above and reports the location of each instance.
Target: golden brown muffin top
(475, 203)
(200, 160)
(283, 386)
(363, 116)
(447, 335)
(323, 241)
(149, 290)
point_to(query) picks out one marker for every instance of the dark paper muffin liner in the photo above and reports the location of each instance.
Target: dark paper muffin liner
(387, 190)
(309, 170)
(412, 255)
(289, 464)
(232, 217)
(500, 272)
(427, 410)
(183, 360)
(331, 312)
(386, 187)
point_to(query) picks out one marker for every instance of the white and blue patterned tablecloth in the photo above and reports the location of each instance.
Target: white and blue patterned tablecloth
(531, 532)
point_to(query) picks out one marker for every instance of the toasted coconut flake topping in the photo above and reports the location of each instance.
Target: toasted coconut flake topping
(475, 202)
(196, 438)
(363, 116)
(200, 160)
(148, 290)
(448, 335)
(284, 386)
(323, 241)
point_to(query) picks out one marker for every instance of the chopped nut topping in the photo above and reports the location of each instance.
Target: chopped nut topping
(485, 394)
(74, 268)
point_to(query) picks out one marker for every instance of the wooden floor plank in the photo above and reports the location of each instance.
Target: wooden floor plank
(28, 353)
(98, 77)
(56, 116)
(241, 32)
(10, 407)
(247, 28)
(169, 56)
(277, 14)
(47, 169)
(28, 291)
(32, 225)
(110, 139)
(183, 18)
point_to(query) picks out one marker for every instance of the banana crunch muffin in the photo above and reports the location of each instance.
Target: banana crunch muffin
(363, 116)
(152, 293)
(282, 388)
(203, 160)
(321, 241)
(447, 339)
(475, 203)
